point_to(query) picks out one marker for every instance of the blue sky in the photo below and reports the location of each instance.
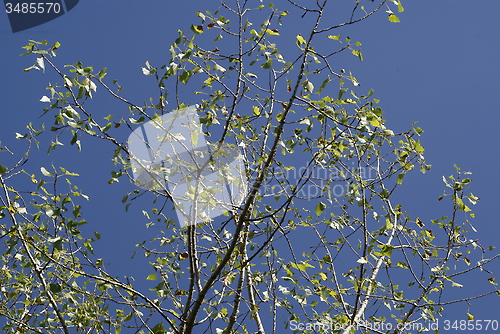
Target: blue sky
(439, 67)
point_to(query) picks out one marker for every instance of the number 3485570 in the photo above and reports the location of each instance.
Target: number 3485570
(33, 7)
(470, 325)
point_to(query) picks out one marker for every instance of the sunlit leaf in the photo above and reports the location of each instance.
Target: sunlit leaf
(267, 64)
(41, 63)
(400, 7)
(308, 86)
(320, 207)
(386, 250)
(45, 172)
(300, 39)
(393, 18)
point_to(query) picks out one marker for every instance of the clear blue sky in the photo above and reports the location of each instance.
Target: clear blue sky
(439, 67)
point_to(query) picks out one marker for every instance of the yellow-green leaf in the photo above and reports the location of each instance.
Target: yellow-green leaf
(388, 223)
(400, 7)
(319, 208)
(267, 64)
(393, 18)
(273, 32)
(301, 266)
(402, 265)
(196, 29)
(301, 39)
(387, 250)
(194, 137)
(400, 178)
(337, 37)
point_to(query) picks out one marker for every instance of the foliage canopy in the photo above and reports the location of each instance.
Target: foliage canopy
(318, 239)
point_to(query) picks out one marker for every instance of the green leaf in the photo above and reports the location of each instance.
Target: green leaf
(320, 207)
(400, 178)
(55, 288)
(45, 172)
(300, 39)
(30, 68)
(341, 92)
(400, 7)
(387, 250)
(217, 67)
(418, 147)
(256, 111)
(393, 18)
(358, 54)
(128, 317)
(151, 277)
(301, 266)
(385, 193)
(308, 86)
(323, 85)
(139, 121)
(461, 205)
(89, 246)
(104, 130)
(184, 77)
(402, 265)
(3, 169)
(247, 24)
(353, 79)
(271, 32)
(159, 329)
(102, 73)
(58, 244)
(194, 137)
(267, 64)
(469, 316)
(337, 37)
(197, 29)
